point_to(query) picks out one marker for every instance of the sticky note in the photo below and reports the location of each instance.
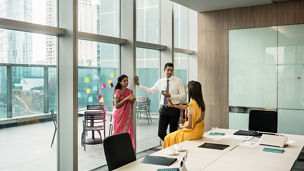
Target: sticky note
(112, 85)
(104, 85)
(110, 81)
(88, 91)
(86, 79)
(90, 99)
(99, 96)
(79, 95)
(101, 100)
(112, 75)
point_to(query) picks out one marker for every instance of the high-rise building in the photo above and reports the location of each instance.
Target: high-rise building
(51, 43)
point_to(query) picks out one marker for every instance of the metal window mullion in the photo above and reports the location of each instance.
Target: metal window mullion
(30, 27)
(101, 38)
(9, 92)
(185, 51)
(153, 46)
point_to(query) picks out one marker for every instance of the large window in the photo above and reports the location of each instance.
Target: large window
(34, 11)
(181, 67)
(27, 87)
(99, 17)
(181, 40)
(147, 21)
(99, 65)
(29, 73)
(98, 68)
(148, 70)
(181, 24)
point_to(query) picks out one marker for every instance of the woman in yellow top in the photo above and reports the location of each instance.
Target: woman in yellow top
(194, 127)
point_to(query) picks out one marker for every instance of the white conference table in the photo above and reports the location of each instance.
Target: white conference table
(234, 157)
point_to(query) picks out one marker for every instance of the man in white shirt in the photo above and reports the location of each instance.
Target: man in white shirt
(169, 86)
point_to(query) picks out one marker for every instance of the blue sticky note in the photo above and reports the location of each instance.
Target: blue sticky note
(79, 94)
(90, 99)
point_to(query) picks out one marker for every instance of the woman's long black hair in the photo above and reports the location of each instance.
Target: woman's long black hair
(119, 79)
(195, 93)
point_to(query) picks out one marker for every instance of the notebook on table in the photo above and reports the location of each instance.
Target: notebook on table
(273, 140)
(214, 146)
(247, 133)
(159, 160)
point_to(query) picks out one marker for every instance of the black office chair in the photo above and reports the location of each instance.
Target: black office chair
(264, 121)
(118, 150)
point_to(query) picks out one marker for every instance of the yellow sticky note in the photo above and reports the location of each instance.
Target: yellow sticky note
(112, 75)
(88, 91)
(110, 81)
(101, 100)
(86, 79)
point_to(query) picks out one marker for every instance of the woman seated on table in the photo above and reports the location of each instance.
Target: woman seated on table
(194, 127)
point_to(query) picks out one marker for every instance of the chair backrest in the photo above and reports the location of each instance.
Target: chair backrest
(141, 99)
(265, 121)
(118, 150)
(95, 107)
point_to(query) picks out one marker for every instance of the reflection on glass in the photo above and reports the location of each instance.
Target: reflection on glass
(99, 17)
(3, 92)
(147, 69)
(291, 66)
(181, 24)
(147, 21)
(252, 67)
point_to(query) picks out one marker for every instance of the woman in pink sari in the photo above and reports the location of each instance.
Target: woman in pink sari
(123, 100)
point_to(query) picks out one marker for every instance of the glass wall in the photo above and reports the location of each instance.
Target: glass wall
(99, 17)
(99, 67)
(27, 91)
(148, 70)
(290, 79)
(148, 21)
(181, 40)
(252, 67)
(3, 92)
(181, 25)
(181, 67)
(25, 63)
(34, 11)
(266, 70)
(28, 77)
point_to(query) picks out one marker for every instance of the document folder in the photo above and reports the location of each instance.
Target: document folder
(214, 146)
(247, 133)
(158, 160)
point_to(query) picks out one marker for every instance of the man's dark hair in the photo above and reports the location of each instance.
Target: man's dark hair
(168, 64)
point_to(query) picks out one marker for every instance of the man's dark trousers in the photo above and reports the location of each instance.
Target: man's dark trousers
(167, 116)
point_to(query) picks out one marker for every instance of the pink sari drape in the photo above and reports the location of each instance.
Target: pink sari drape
(122, 118)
